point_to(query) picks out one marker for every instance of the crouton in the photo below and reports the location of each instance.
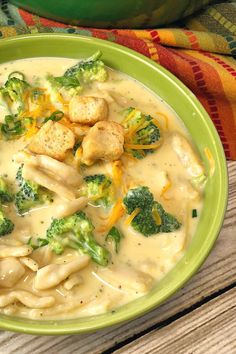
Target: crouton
(104, 141)
(88, 110)
(53, 140)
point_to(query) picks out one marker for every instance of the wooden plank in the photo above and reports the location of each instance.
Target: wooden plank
(209, 329)
(218, 272)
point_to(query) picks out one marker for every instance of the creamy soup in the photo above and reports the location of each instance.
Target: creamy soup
(94, 218)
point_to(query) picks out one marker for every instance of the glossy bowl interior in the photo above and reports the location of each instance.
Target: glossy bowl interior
(106, 13)
(203, 134)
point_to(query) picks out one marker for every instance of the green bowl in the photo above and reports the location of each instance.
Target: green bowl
(104, 13)
(195, 119)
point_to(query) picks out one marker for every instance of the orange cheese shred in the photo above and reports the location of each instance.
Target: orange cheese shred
(32, 130)
(79, 152)
(142, 124)
(156, 216)
(129, 156)
(116, 213)
(65, 121)
(131, 217)
(117, 172)
(165, 118)
(143, 147)
(61, 99)
(129, 116)
(210, 160)
(165, 188)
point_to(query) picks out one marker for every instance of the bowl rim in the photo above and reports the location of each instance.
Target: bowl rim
(75, 326)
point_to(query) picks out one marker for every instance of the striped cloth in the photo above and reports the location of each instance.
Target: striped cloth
(200, 51)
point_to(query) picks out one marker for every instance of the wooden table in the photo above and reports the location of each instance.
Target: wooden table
(200, 318)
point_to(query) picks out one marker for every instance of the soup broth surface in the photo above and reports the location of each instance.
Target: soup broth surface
(140, 261)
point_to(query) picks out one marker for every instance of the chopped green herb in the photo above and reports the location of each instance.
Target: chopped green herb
(194, 213)
(12, 127)
(18, 74)
(55, 116)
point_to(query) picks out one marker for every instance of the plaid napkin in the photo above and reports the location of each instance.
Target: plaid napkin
(200, 51)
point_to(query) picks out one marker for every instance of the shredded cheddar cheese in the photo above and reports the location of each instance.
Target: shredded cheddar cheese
(156, 216)
(65, 121)
(129, 156)
(61, 99)
(79, 152)
(131, 217)
(63, 102)
(41, 107)
(156, 123)
(133, 130)
(165, 188)
(116, 214)
(165, 118)
(117, 173)
(129, 116)
(143, 147)
(210, 160)
(32, 129)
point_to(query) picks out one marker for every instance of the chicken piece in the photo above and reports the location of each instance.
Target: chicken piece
(187, 155)
(126, 278)
(70, 207)
(29, 263)
(104, 141)
(88, 110)
(26, 298)
(11, 270)
(41, 178)
(53, 274)
(59, 170)
(43, 256)
(53, 140)
(14, 251)
(72, 281)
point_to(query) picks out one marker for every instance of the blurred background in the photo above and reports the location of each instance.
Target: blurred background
(113, 14)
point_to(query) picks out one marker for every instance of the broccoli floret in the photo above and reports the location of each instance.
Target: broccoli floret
(168, 222)
(6, 225)
(23, 204)
(145, 131)
(99, 189)
(139, 197)
(65, 85)
(76, 231)
(71, 83)
(115, 236)
(29, 189)
(88, 70)
(15, 89)
(30, 194)
(146, 224)
(6, 196)
(146, 221)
